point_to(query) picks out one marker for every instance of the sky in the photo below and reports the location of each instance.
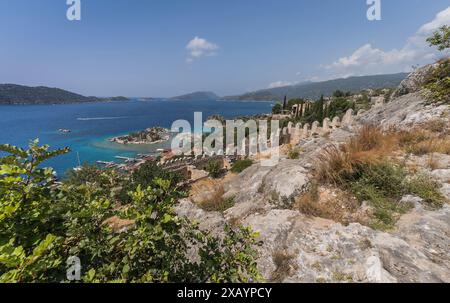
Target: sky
(163, 48)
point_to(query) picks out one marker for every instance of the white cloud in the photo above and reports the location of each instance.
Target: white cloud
(199, 47)
(371, 60)
(280, 84)
(442, 18)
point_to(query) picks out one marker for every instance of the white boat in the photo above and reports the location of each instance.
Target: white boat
(79, 167)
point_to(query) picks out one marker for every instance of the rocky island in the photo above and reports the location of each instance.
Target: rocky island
(147, 136)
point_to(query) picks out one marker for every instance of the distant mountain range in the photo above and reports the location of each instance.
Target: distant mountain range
(313, 90)
(19, 94)
(199, 96)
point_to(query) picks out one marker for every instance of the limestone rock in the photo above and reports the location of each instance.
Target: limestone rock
(413, 82)
(405, 111)
(300, 248)
(442, 175)
(445, 190)
(279, 184)
(208, 221)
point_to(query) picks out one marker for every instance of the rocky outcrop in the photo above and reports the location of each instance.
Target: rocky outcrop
(301, 248)
(407, 110)
(297, 248)
(279, 185)
(414, 82)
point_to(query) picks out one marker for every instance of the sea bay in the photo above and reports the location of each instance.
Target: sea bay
(92, 124)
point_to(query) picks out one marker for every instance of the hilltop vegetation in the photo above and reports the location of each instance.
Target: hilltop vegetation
(334, 106)
(197, 96)
(19, 94)
(313, 90)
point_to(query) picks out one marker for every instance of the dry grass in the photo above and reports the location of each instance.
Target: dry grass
(208, 195)
(220, 205)
(436, 126)
(365, 168)
(431, 137)
(328, 203)
(216, 201)
(369, 146)
(199, 188)
(432, 162)
(428, 146)
(284, 263)
(308, 203)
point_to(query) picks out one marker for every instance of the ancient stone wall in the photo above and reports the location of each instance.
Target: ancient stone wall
(293, 134)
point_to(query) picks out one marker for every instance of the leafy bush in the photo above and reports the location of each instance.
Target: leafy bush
(441, 38)
(43, 223)
(294, 154)
(214, 169)
(144, 176)
(277, 108)
(241, 165)
(427, 189)
(438, 83)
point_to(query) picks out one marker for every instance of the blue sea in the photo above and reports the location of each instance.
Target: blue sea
(92, 124)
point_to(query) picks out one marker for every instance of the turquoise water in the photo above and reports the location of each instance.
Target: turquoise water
(93, 123)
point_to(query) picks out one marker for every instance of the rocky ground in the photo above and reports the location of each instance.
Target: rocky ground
(340, 248)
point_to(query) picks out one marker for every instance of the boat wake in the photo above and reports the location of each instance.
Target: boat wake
(101, 118)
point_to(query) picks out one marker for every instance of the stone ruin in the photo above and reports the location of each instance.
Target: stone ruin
(294, 134)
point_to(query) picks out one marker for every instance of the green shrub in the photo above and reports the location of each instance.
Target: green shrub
(144, 177)
(294, 154)
(438, 83)
(43, 223)
(427, 189)
(385, 184)
(277, 108)
(241, 165)
(214, 169)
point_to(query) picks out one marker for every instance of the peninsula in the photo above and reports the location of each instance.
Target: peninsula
(11, 94)
(148, 136)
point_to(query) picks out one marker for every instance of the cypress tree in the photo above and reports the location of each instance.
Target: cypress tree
(326, 111)
(320, 113)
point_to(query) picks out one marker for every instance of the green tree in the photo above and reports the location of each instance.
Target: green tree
(276, 109)
(320, 109)
(338, 94)
(441, 38)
